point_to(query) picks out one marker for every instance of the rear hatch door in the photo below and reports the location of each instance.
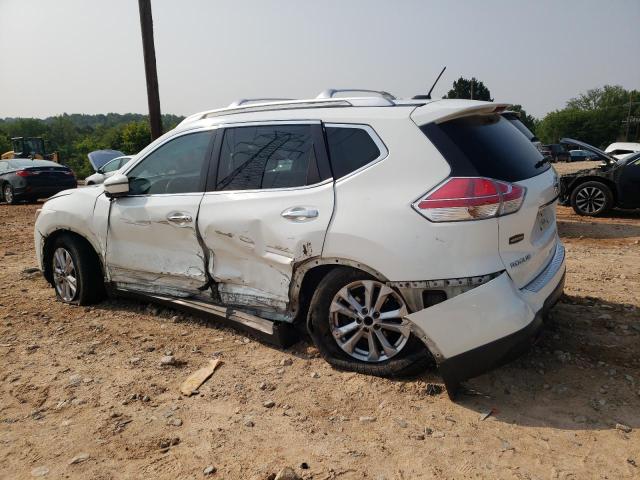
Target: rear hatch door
(490, 146)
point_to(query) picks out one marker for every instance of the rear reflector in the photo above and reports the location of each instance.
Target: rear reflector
(470, 198)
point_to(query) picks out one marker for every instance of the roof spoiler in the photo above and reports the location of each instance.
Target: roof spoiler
(485, 108)
(440, 111)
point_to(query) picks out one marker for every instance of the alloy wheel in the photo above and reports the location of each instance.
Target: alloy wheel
(366, 321)
(8, 194)
(64, 274)
(590, 199)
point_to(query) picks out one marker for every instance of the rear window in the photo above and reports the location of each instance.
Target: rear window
(350, 148)
(486, 146)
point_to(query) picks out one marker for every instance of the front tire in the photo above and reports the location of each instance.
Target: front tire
(592, 199)
(75, 271)
(357, 324)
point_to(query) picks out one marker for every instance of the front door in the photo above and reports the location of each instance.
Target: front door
(268, 208)
(152, 243)
(630, 184)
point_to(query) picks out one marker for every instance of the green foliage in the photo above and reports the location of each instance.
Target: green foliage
(597, 117)
(74, 136)
(135, 136)
(462, 89)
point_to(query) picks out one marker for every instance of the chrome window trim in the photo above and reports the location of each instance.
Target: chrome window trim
(384, 151)
(258, 123)
(261, 190)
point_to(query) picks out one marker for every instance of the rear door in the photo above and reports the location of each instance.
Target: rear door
(267, 208)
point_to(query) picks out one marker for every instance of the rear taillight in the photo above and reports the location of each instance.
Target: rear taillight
(470, 198)
(24, 173)
(70, 173)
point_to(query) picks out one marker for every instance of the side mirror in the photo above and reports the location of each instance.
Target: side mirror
(117, 185)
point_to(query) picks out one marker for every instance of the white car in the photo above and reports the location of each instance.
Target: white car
(622, 149)
(108, 169)
(396, 232)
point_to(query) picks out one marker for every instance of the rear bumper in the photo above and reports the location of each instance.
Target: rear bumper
(490, 325)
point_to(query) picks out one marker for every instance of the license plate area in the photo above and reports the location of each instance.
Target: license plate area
(545, 220)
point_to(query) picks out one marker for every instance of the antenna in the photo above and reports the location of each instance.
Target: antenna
(428, 95)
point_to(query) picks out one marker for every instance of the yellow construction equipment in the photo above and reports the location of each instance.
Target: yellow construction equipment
(29, 147)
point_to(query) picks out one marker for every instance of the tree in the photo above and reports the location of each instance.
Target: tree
(529, 121)
(610, 96)
(135, 136)
(598, 117)
(60, 137)
(462, 88)
(73, 136)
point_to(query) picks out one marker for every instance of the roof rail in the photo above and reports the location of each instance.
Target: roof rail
(330, 92)
(284, 105)
(324, 100)
(242, 101)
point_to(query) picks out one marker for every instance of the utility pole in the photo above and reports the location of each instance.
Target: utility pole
(629, 117)
(149, 51)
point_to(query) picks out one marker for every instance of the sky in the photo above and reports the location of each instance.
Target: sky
(85, 56)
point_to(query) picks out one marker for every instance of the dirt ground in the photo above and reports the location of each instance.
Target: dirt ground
(83, 394)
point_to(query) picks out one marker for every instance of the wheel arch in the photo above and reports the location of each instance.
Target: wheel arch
(308, 275)
(47, 250)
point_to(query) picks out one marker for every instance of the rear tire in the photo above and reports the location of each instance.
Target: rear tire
(402, 353)
(7, 194)
(592, 199)
(75, 271)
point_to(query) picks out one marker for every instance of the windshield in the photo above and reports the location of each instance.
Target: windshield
(33, 145)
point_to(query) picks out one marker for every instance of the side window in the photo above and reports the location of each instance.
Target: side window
(349, 149)
(175, 167)
(267, 156)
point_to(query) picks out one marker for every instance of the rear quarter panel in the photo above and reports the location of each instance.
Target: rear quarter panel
(375, 224)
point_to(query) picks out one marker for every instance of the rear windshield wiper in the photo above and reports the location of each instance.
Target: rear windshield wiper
(545, 159)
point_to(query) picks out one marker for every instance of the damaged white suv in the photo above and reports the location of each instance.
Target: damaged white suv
(397, 232)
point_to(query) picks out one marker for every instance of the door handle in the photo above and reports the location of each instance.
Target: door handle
(300, 214)
(180, 219)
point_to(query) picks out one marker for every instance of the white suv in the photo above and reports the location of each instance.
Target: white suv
(397, 232)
